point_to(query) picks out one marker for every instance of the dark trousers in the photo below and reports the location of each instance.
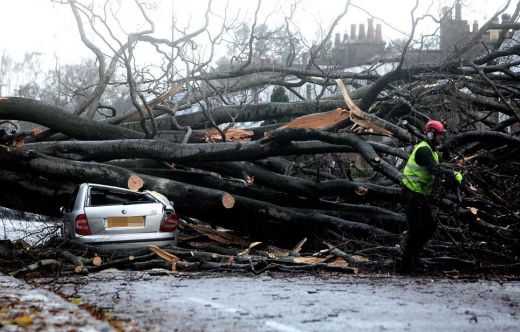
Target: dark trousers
(421, 226)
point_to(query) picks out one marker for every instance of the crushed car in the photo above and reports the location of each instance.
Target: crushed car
(116, 218)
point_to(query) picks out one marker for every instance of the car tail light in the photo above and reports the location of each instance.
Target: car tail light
(81, 225)
(169, 223)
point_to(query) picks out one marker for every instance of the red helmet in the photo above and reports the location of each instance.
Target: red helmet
(434, 127)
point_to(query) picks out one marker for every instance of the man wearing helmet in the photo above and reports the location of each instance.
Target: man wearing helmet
(419, 176)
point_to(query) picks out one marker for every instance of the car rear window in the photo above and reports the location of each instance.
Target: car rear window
(100, 197)
(72, 200)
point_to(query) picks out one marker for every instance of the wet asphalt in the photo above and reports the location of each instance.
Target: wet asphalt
(159, 301)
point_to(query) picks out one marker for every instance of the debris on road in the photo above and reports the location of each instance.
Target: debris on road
(25, 308)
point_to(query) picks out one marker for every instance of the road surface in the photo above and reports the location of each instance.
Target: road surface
(295, 302)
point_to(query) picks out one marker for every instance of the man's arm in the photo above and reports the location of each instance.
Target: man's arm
(424, 158)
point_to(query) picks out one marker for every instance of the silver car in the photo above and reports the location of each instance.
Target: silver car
(112, 218)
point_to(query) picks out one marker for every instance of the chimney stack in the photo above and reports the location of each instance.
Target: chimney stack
(506, 18)
(345, 37)
(352, 32)
(362, 35)
(379, 32)
(458, 9)
(370, 31)
(305, 58)
(446, 13)
(475, 26)
(337, 40)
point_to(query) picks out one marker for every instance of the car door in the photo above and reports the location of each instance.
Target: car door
(110, 211)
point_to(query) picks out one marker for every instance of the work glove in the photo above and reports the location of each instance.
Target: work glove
(458, 177)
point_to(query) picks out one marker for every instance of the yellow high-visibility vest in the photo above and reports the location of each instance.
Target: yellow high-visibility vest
(418, 178)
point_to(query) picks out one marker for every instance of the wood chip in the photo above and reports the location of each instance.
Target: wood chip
(309, 260)
(361, 191)
(248, 250)
(232, 135)
(163, 254)
(19, 143)
(219, 236)
(319, 120)
(338, 261)
(278, 252)
(299, 246)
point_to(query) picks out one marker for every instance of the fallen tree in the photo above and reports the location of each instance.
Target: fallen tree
(327, 169)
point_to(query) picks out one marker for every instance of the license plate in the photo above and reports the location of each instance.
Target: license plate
(125, 222)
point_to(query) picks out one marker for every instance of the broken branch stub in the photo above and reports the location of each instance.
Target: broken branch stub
(371, 121)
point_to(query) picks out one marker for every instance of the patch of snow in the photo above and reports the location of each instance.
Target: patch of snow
(31, 231)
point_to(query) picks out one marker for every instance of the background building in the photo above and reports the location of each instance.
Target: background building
(366, 45)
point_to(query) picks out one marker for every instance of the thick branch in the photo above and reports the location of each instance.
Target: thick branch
(14, 108)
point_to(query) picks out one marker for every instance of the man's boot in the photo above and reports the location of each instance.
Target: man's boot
(409, 257)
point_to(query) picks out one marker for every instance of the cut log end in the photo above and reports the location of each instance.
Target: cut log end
(228, 201)
(135, 183)
(97, 261)
(80, 270)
